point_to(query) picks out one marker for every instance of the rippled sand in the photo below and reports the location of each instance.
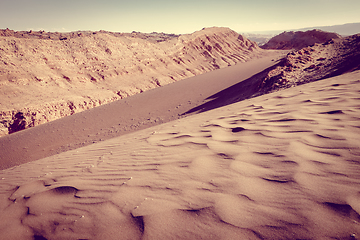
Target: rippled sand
(280, 166)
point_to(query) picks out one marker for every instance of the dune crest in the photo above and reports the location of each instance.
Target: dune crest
(46, 76)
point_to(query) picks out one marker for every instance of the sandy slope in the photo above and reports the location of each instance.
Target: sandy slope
(126, 115)
(279, 166)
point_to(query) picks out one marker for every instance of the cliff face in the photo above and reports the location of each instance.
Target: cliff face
(298, 40)
(45, 76)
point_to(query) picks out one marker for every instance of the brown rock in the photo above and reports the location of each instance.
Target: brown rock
(19, 123)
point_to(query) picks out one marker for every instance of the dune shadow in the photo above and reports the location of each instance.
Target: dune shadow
(238, 92)
(350, 63)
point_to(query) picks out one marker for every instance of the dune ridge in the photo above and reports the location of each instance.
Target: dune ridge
(46, 76)
(279, 166)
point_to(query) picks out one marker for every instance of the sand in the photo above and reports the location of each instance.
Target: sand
(280, 166)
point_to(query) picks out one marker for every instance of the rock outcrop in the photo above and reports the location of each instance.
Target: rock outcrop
(320, 61)
(46, 76)
(298, 40)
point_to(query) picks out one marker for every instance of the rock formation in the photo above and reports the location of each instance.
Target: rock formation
(298, 40)
(51, 75)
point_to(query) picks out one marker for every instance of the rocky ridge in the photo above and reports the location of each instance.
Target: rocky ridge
(46, 76)
(312, 63)
(299, 39)
(153, 37)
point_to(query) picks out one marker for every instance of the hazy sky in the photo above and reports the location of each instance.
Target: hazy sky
(174, 16)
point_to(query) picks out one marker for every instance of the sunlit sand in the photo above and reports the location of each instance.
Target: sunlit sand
(280, 166)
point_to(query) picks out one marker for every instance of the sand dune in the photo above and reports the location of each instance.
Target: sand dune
(279, 166)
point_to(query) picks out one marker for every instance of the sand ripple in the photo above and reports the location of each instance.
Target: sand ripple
(280, 166)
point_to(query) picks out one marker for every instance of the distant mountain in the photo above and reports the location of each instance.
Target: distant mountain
(344, 29)
(299, 39)
(262, 37)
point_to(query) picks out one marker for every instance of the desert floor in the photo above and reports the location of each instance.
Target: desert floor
(280, 166)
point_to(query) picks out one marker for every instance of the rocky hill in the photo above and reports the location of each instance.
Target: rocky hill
(45, 76)
(299, 39)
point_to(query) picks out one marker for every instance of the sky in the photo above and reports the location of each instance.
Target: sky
(174, 16)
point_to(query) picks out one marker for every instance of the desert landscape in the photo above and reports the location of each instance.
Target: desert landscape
(179, 136)
(81, 70)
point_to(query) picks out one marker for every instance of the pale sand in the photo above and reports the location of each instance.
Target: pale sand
(280, 166)
(140, 111)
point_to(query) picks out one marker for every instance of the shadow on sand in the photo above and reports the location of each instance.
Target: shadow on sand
(238, 92)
